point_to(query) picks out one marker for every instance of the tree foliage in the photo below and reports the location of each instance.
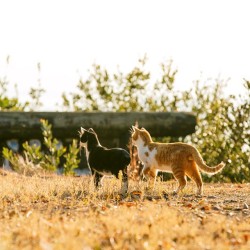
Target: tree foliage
(13, 103)
(223, 130)
(8, 103)
(133, 91)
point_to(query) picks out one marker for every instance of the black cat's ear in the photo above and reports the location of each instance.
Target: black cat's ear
(81, 132)
(91, 130)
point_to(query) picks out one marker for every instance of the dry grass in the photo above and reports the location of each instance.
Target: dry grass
(57, 212)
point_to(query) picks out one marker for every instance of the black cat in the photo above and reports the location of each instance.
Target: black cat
(103, 161)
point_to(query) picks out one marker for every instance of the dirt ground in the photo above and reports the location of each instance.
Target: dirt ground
(59, 212)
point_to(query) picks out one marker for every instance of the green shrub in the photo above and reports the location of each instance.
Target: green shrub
(49, 158)
(53, 151)
(11, 157)
(71, 159)
(223, 132)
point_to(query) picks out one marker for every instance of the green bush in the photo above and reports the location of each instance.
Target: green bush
(223, 132)
(13, 103)
(49, 158)
(7, 103)
(71, 158)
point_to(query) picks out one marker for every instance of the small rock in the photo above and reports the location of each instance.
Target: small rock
(245, 206)
(217, 208)
(211, 197)
(230, 201)
(198, 196)
(237, 209)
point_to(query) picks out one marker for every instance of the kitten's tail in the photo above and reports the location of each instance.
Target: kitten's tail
(205, 168)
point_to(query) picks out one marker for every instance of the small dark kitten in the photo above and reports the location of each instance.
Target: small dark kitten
(103, 161)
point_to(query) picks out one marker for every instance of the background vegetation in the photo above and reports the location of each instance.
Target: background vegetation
(223, 122)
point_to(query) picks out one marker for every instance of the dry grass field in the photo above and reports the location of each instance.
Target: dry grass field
(58, 212)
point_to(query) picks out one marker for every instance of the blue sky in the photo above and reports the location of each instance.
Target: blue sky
(208, 38)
